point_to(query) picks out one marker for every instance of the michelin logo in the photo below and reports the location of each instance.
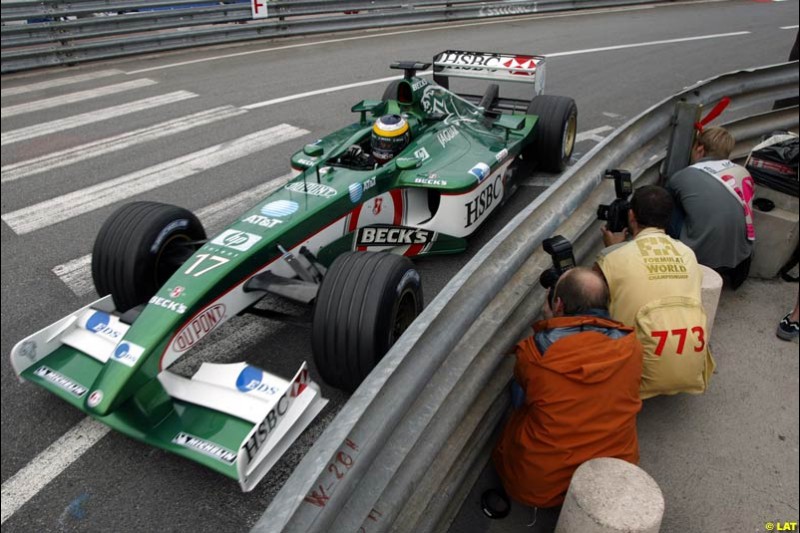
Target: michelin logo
(60, 381)
(206, 448)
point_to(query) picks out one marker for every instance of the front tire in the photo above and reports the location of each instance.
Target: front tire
(139, 247)
(555, 132)
(366, 301)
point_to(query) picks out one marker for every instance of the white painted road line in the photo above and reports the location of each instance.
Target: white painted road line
(326, 90)
(24, 485)
(71, 98)
(592, 135)
(222, 213)
(73, 155)
(77, 274)
(648, 43)
(70, 205)
(59, 82)
(54, 126)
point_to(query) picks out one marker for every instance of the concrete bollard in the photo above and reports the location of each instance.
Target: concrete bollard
(776, 233)
(609, 495)
(712, 288)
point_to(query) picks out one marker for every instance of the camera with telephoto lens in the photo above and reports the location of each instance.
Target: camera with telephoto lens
(616, 214)
(560, 249)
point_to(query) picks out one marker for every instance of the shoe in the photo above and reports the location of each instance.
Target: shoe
(787, 330)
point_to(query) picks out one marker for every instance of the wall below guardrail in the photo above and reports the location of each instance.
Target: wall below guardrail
(46, 33)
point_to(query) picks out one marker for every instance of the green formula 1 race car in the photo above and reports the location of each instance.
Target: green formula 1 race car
(419, 171)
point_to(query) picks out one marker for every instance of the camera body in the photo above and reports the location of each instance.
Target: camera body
(616, 214)
(560, 249)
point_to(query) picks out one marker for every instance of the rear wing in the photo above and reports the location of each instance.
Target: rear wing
(489, 66)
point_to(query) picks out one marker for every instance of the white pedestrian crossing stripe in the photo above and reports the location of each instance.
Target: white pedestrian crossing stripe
(85, 200)
(59, 82)
(58, 101)
(77, 274)
(55, 126)
(74, 155)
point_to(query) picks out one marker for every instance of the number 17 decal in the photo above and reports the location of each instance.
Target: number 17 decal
(216, 262)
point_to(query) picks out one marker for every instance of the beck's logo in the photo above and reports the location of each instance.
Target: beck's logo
(392, 236)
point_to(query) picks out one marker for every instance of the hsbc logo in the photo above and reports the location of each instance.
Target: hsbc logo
(523, 62)
(392, 236)
(483, 202)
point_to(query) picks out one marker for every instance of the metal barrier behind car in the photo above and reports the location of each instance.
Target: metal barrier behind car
(404, 450)
(59, 32)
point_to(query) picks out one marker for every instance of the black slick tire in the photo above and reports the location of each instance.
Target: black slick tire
(139, 247)
(365, 303)
(554, 133)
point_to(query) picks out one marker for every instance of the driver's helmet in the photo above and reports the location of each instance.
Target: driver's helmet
(390, 135)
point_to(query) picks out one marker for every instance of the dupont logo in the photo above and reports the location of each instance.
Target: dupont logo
(312, 189)
(198, 327)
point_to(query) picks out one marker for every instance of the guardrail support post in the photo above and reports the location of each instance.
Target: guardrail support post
(681, 138)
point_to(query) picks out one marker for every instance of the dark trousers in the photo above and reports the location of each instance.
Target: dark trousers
(734, 277)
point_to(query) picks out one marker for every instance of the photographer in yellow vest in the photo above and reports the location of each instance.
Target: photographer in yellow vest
(654, 283)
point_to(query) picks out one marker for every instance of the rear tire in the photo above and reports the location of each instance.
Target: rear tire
(555, 132)
(366, 301)
(139, 247)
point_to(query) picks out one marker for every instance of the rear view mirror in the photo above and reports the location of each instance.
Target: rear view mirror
(408, 163)
(313, 150)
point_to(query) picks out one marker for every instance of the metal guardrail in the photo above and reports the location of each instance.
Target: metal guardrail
(401, 453)
(65, 32)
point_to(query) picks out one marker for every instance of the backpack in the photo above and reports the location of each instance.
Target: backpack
(774, 163)
(673, 333)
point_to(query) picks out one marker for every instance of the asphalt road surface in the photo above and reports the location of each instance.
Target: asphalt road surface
(62, 139)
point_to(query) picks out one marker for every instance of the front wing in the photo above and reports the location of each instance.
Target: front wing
(233, 418)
